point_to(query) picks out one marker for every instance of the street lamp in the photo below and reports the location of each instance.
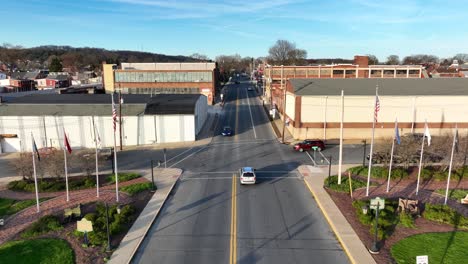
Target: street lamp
(109, 248)
(376, 204)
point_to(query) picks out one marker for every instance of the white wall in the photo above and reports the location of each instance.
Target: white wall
(136, 130)
(290, 105)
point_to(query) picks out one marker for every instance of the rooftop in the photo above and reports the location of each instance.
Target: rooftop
(387, 87)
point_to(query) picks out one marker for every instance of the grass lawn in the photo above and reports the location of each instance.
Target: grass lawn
(55, 251)
(444, 248)
(9, 207)
(454, 193)
(332, 183)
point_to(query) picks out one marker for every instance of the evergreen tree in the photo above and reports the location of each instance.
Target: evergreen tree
(55, 65)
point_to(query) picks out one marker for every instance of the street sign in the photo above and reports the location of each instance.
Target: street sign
(377, 201)
(422, 259)
(84, 225)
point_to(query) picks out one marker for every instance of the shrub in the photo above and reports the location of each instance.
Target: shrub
(43, 225)
(376, 172)
(399, 173)
(426, 173)
(406, 220)
(332, 183)
(387, 217)
(454, 193)
(137, 188)
(445, 214)
(123, 177)
(117, 223)
(440, 175)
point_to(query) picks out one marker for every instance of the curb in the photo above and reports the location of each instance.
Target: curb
(147, 228)
(330, 223)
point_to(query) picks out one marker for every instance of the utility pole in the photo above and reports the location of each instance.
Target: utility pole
(284, 102)
(120, 117)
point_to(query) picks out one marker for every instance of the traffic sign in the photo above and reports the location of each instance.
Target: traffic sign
(377, 202)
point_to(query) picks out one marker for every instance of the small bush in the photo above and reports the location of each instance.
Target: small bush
(387, 217)
(426, 173)
(440, 175)
(332, 183)
(399, 173)
(376, 172)
(445, 214)
(43, 225)
(123, 177)
(137, 188)
(406, 220)
(454, 193)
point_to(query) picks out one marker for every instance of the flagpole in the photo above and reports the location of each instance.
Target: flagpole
(420, 158)
(115, 156)
(97, 165)
(340, 162)
(35, 175)
(372, 144)
(391, 157)
(450, 166)
(66, 170)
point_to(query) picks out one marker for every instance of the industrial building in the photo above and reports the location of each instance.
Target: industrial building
(145, 119)
(313, 106)
(160, 78)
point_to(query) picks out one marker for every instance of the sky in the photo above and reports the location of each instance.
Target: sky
(325, 29)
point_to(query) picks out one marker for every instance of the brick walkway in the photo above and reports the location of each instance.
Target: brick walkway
(18, 222)
(407, 189)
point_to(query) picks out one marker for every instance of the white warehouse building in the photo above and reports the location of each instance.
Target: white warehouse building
(146, 119)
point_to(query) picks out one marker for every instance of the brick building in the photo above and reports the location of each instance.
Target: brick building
(162, 78)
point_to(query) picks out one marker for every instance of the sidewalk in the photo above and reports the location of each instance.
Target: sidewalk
(165, 181)
(314, 178)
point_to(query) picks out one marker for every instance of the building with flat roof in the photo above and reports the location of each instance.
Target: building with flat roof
(313, 106)
(146, 120)
(161, 78)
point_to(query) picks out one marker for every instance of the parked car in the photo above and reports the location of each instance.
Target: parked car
(309, 144)
(227, 131)
(247, 175)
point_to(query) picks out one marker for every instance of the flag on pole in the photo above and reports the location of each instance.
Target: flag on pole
(66, 143)
(35, 150)
(427, 134)
(397, 133)
(114, 114)
(377, 108)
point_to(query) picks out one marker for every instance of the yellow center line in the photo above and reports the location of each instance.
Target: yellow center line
(233, 243)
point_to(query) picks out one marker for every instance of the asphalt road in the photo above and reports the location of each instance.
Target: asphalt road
(211, 218)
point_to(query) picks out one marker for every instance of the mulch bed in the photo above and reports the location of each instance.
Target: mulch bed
(90, 254)
(344, 203)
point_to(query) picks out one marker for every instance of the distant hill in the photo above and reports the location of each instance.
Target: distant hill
(18, 58)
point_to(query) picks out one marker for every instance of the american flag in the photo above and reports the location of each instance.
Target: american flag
(114, 114)
(377, 108)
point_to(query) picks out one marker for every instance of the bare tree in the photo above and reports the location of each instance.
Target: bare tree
(461, 57)
(393, 60)
(199, 56)
(420, 59)
(286, 53)
(373, 60)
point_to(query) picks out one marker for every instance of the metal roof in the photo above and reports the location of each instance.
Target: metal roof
(98, 105)
(167, 104)
(389, 87)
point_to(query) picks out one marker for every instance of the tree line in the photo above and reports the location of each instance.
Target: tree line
(23, 59)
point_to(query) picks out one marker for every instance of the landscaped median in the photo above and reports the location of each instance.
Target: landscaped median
(404, 232)
(67, 245)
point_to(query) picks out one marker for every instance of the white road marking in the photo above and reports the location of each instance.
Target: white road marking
(229, 178)
(324, 157)
(251, 117)
(186, 157)
(315, 164)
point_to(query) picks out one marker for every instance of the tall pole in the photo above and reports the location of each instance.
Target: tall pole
(325, 120)
(107, 227)
(66, 171)
(420, 164)
(152, 175)
(97, 164)
(115, 161)
(372, 144)
(35, 176)
(364, 153)
(284, 102)
(391, 158)
(340, 157)
(451, 160)
(120, 117)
